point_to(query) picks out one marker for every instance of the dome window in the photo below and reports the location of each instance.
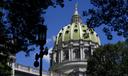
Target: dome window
(75, 30)
(75, 25)
(85, 35)
(83, 26)
(84, 30)
(67, 32)
(91, 30)
(60, 34)
(68, 26)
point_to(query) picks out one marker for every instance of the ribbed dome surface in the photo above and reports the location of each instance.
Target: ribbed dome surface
(77, 31)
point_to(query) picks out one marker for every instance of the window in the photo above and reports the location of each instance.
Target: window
(91, 30)
(87, 53)
(60, 34)
(84, 31)
(66, 54)
(85, 35)
(57, 57)
(75, 25)
(68, 26)
(76, 53)
(67, 32)
(75, 30)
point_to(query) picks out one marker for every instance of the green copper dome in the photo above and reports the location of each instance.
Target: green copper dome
(76, 31)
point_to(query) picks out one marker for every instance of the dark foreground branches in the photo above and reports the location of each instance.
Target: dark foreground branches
(111, 14)
(21, 26)
(109, 60)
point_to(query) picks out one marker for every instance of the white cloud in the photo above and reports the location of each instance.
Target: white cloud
(50, 50)
(54, 38)
(51, 39)
(47, 57)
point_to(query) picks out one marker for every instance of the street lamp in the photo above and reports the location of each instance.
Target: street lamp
(41, 41)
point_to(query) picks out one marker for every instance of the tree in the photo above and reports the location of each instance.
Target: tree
(109, 60)
(22, 25)
(111, 14)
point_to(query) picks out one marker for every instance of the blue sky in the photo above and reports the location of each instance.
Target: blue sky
(55, 19)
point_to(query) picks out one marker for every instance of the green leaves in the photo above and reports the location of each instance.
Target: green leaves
(111, 13)
(109, 60)
(5, 69)
(1, 14)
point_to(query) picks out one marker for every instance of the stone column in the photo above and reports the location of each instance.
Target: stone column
(71, 51)
(81, 53)
(12, 64)
(51, 73)
(13, 69)
(54, 57)
(69, 54)
(61, 55)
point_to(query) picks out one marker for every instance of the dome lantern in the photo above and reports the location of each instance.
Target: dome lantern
(76, 18)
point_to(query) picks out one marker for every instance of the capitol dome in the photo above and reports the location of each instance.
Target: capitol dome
(74, 44)
(76, 31)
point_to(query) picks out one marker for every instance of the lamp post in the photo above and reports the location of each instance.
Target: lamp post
(41, 41)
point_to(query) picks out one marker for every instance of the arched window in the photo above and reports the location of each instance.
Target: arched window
(87, 53)
(57, 57)
(76, 53)
(65, 55)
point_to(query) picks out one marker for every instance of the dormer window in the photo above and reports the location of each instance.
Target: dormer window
(68, 26)
(91, 30)
(84, 31)
(85, 35)
(75, 30)
(75, 25)
(67, 32)
(60, 34)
